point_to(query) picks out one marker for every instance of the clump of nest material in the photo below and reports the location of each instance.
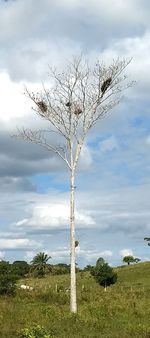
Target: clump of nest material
(106, 84)
(77, 110)
(68, 104)
(42, 106)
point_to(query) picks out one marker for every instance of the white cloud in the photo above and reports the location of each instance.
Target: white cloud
(22, 222)
(59, 254)
(89, 254)
(106, 253)
(54, 215)
(19, 243)
(126, 252)
(109, 144)
(139, 69)
(29, 255)
(13, 103)
(114, 11)
(125, 209)
(85, 159)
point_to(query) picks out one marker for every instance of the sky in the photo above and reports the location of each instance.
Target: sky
(113, 178)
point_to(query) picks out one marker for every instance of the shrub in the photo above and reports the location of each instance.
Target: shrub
(7, 279)
(7, 284)
(4, 267)
(104, 275)
(35, 332)
(20, 268)
(60, 269)
(88, 268)
(39, 272)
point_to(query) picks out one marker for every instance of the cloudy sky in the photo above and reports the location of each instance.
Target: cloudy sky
(113, 180)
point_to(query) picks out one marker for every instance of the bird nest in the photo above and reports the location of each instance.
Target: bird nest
(42, 106)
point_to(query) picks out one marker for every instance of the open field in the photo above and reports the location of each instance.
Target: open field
(121, 312)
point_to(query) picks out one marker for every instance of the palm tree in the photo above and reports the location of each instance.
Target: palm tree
(39, 265)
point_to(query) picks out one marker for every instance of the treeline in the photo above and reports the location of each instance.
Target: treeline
(10, 273)
(39, 267)
(22, 269)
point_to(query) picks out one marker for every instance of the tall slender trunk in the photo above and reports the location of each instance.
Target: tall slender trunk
(73, 300)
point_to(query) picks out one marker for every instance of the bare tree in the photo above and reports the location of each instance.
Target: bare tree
(77, 99)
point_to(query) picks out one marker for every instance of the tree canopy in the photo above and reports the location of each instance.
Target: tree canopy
(130, 259)
(100, 261)
(104, 274)
(147, 239)
(39, 265)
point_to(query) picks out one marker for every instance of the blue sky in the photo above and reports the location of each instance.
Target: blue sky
(113, 178)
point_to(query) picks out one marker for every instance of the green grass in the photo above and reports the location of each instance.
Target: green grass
(121, 312)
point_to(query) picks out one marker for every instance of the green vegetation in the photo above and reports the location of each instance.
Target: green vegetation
(130, 259)
(39, 266)
(123, 311)
(35, 332)
(147, 239)
(7, 279)
(60, 269)
(104, 274)
(20, 268)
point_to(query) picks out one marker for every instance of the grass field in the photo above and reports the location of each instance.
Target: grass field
(121, 312)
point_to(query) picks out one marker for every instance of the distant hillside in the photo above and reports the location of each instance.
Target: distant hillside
(135, 274)
(121, 312)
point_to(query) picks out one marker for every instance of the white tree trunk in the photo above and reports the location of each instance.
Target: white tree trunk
(73, 300)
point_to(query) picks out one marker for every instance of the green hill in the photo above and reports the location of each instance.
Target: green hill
(121, 312)
(136, 274)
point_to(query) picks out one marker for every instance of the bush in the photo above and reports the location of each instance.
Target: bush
(39, 272)
(7, 284)
(4, 267)
(104, 275)
(35, 332)
(60, 269)
(88, 268)
(7, 279)
(20, 268)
